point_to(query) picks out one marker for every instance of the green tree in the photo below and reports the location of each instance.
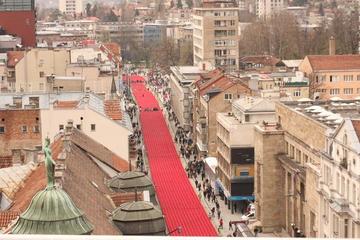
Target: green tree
(179, 4)
(110, 17)
(189, 3)
(321, 10)
(94, 10)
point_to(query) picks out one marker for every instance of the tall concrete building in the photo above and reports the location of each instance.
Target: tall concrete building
(266, 8)
(71, 7)
(215, 35)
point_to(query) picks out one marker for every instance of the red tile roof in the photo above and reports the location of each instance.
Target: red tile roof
(120, 198)
(334, 62)
(356, 125)
(266, 60)
(216, 80)
(112, 109)
(6, 217)
(13, 57)
(66, 104)
(114, 48)
(35, 182)
(5, 161)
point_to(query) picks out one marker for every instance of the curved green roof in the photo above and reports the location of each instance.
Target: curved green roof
(139, 218)
(131, 181)
(52, 211)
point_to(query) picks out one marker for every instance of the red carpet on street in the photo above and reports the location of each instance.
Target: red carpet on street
(178, 200)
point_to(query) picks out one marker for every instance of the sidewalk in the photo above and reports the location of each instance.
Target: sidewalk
(225, 212)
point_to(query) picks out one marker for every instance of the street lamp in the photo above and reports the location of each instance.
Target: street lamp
(178, 229)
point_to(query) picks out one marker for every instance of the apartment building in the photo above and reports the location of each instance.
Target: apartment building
(266, 8)
(213, 92)
(291, 162)
(339, 183)
(235, 149)
(332, 76)
(181, 98)
(215, 35)
(71, 7)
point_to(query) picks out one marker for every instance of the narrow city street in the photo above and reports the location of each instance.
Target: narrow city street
(178, 200)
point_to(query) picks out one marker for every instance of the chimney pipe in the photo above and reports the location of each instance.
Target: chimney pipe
(332, 46)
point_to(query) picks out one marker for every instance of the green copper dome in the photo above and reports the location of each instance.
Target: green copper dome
(139, 218)
(52, 211)
(131, 181)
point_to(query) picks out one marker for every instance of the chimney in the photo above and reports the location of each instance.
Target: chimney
(332, 46)
(68, 131)
(16, 157)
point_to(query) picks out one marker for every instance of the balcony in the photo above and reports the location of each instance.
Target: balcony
(344, 163)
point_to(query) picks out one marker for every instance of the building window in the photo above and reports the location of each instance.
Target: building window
(348, 91)
(36, 129)
(333, 78)
(354, 194)
(41, 86)
(244, 173)
(348, 78)
(41, 74)
(334, 91)
(78, 126)
(297, 93)
(93, 127)
(228, 96)
(358, 77)
(247, 118)
(23, 129)
(2, 129)
(61, 127)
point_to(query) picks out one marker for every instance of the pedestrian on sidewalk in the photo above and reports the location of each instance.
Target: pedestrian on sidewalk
(213, 196)
(213, 212)
(199, 187)
(196, 182)
(202, 175)
(230, 226)
(218, 213)
(221, 223)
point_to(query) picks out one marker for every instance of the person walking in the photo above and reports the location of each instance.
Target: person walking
(218, 213)
(213, 212)
(230, 226)
(196, 182)
(221, 223)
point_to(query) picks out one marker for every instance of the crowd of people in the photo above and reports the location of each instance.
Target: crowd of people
(195, 166)
(136, 139)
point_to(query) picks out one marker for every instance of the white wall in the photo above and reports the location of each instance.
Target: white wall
(109, 133)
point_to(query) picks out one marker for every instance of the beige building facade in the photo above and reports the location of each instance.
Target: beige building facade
(215, 35)
(213, 93)
(332, 76)
(114, 135)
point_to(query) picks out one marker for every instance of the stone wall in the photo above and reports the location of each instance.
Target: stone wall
(269, 180)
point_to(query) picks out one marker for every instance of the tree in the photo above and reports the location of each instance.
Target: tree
(55, 14)
(179, 4)
(189, 3)
(110, 17)
(94, 10)
(321, 10)
(186, 53)
(172, 4)
(88, 10)
(137, 13)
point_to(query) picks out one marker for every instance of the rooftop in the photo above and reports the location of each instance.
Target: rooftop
(334, 62)
(328, 113)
